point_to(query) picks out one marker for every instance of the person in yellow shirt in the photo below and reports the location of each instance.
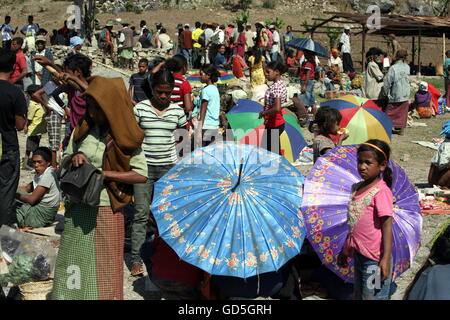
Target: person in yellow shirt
(36, 125)
(196, 56)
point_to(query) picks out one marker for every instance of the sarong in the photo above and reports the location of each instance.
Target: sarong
(89, 265)
(398, 113)
(34, 216)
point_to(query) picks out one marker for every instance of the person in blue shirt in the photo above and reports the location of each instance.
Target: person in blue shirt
(288, 36)
(220, 61)
(206, 119)
(7, 32)
(446, 72)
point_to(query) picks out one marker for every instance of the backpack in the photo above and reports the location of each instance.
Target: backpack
(202, 39)
(101, 39)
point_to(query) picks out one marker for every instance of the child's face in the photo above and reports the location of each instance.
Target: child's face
(335, 128)
(368, 166)
(39, 164)
(142, 67)
(204, 78)
(271, 74)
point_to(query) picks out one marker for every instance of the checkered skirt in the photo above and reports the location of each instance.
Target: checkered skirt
(54, 130)
(89, 265)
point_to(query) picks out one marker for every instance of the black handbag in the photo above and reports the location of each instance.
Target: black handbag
(83, 184)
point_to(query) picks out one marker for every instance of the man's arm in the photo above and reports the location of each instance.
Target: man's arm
(38, 96)
(34, 197)
(21, 121)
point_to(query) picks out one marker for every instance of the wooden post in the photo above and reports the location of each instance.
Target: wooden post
(443, 47)
(413, 50)
(363, 53)
(418, 54)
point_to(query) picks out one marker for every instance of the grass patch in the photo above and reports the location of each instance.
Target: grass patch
(437, 83)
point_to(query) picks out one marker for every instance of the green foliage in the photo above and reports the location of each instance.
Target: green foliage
(243, 16)
(308, 27)
(269, 4)
(332, 33)
(129, 5)
(279, 23)
(20, 270)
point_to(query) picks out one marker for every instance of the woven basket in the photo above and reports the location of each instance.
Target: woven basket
(40, 290)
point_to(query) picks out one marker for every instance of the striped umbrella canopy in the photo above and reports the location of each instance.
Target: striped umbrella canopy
(224, 78)
(363, 119)
(248, 129)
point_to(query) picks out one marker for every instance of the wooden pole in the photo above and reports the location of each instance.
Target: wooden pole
(418, 54)
(363, 51)
(413, 54)
(443, 47)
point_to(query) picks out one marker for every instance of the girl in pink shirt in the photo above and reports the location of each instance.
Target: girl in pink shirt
(370, 224)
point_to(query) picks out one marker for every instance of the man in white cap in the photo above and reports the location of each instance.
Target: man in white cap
(344, 47)
(276, 47)
(41, 75)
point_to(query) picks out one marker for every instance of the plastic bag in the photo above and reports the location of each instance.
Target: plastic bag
(30, 257)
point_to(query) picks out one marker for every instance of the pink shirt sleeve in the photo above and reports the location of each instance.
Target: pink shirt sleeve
(383, 202)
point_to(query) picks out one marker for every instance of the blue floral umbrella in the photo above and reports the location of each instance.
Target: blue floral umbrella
(231, 209)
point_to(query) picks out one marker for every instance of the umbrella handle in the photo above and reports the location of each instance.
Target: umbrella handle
(239, 178)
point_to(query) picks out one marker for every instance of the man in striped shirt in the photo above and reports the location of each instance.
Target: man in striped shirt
(159, 118)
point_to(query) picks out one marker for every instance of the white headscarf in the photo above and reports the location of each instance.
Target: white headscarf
(423, 86)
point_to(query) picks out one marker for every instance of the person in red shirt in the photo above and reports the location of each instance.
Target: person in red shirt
(174, 277)
(20, 67)
(275, 98)
(181, 94)
(307, 72)
(186, 44)
(292, 63)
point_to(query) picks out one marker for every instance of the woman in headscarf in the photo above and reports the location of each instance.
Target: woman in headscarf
(373, 80)
(89, 265)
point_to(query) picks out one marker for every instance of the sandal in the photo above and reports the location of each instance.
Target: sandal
(137, 269)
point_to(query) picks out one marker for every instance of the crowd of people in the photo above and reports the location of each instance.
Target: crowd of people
(130, 135)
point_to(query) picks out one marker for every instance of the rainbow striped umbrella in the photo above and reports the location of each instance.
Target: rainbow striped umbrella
(248, 129)
(363, 119)
(223, 79)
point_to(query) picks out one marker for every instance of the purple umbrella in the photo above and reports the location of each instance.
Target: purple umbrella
(326, 195)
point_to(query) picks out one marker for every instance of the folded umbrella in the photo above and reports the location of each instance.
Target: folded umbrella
(223, 79)
(248, 129)
(309, 44)
(326, 196)
(231, 209)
